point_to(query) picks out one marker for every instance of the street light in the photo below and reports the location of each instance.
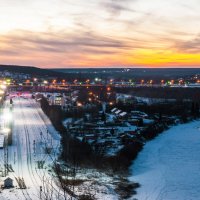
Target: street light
(79, 104)
(108, 89)
(3, 87)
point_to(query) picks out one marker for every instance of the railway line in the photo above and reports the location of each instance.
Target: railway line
(28, 125)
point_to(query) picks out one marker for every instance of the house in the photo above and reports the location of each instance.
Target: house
(113, 110)
(125, 98)
(8, 183)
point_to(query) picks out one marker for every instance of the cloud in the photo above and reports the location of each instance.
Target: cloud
(189, 46)
(74, 48)
(115, 7)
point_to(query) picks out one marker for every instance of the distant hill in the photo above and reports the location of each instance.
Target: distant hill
(132, 73)
(106, 73)
(31, 70)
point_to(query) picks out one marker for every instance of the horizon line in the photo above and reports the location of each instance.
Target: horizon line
(105, 67)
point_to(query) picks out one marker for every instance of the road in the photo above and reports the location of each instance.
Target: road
(33, 133)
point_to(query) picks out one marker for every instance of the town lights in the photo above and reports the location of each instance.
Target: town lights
(63, 82)
(45, 82)
(108, 89)
(181, 81)
(1, 92)
(3, 87)
(79, 104)
(35, 79)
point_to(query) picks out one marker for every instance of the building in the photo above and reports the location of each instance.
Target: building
(8, 183)
(124, 98)
(57, 100)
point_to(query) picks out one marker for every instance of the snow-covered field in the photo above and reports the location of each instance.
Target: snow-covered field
(168, 168)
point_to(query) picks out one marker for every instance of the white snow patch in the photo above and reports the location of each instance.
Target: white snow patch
(168, 168)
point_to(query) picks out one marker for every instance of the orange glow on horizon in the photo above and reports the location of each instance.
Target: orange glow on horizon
(169, 38)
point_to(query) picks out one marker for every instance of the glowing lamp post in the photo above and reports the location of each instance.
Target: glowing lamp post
(79, 104)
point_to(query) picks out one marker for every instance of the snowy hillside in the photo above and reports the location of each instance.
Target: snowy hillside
(168, 168)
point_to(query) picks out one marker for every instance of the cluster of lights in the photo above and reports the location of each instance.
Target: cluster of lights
(63, 82)
(181, 81)
(170, 82)
(3, 86)
(110, 81)
(97, 79)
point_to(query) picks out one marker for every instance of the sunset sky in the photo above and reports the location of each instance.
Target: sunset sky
(94, 33)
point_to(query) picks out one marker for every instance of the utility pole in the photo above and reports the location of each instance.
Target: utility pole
(14, 157)
(47, 135)
(40, 192)
(41, 136)
(6, 156)
(34, 146)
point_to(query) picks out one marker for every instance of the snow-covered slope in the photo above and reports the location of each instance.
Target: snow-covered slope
(168, 168)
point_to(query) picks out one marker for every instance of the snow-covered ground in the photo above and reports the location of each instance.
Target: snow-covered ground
(168, 168)
(32, 133)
